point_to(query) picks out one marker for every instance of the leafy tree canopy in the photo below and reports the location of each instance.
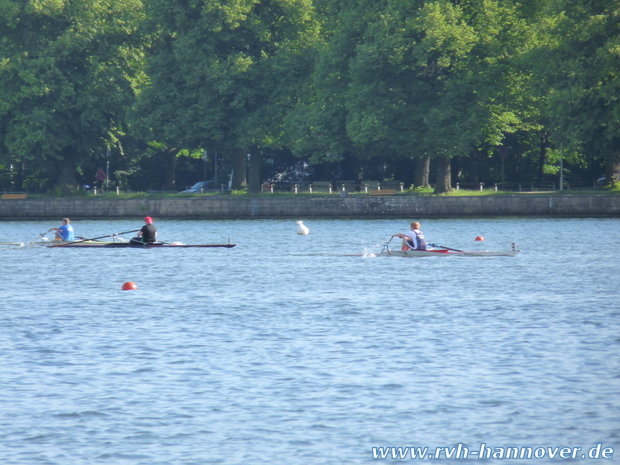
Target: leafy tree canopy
(67, 71)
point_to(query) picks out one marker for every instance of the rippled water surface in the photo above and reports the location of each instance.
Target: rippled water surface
(304, 350)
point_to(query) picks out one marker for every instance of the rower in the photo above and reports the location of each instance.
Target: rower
(412, 239)
(147, 234)
(64, 232)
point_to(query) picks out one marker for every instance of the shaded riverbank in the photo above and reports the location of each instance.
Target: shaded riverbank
(328, 207)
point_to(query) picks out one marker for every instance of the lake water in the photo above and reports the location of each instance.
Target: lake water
(304, 350)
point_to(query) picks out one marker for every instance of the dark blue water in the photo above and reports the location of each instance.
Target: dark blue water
(287, 350)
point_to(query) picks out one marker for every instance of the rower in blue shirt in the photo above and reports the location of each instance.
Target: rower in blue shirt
(64, 232)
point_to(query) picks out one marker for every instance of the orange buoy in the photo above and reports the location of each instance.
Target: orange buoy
(479, 238)
(129, 286)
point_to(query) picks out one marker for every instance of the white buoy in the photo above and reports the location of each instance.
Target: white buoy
(302, 230)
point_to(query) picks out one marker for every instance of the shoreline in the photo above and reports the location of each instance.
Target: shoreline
(215, 207)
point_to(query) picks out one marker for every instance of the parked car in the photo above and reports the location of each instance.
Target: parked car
(200, 187)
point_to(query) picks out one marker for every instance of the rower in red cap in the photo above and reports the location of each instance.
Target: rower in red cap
(147, 234)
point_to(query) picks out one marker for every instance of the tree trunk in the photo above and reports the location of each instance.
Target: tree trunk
(170, 171)
(240, 165)
(422, 169)
(457, 166)
(544, 141)
(444, 175)
(66, 175)
(18, 180)
(474, 166)
(349, 167)
(254, 178)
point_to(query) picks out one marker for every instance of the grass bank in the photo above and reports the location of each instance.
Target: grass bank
(420, 192)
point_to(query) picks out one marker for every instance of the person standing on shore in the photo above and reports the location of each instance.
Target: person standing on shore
(412, 239)
(99, 178)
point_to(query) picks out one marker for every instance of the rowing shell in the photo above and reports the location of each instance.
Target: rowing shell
(156, 245)
(108, 245)
(447, 253)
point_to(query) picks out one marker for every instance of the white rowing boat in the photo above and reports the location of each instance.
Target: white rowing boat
(448, 252)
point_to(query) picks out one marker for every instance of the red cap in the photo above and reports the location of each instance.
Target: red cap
(148, 219)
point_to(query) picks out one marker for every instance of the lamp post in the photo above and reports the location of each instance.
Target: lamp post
(561, 166)
(503, 153)
(107, 168)
(204, 157)
(215, 168)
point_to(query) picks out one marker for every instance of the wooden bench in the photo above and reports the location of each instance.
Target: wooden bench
(367, 186)
(321, 186)
(14, 196)
(382, 192)
(346, 186)
(396, 185)
(300, 186)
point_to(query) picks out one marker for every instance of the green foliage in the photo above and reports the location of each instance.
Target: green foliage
(612, 186)
(68, 71)
(577, 69)
(363, 85)
(223, 73)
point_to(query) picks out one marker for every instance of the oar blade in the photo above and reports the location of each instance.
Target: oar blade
(444, 247)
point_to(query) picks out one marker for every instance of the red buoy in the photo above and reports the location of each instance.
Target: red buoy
(129, 286)
(479, 238)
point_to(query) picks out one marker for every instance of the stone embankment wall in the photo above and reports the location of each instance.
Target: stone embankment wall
(304, 207)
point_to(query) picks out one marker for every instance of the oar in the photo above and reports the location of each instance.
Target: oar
(444, 247)
(94, 238)
(385, 247)
(40, 236)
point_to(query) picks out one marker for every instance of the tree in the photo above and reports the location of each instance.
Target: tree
(386, 96)
(430, 78)
(576, 66)
(479, 90)
(225, 72)
(68, 73)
